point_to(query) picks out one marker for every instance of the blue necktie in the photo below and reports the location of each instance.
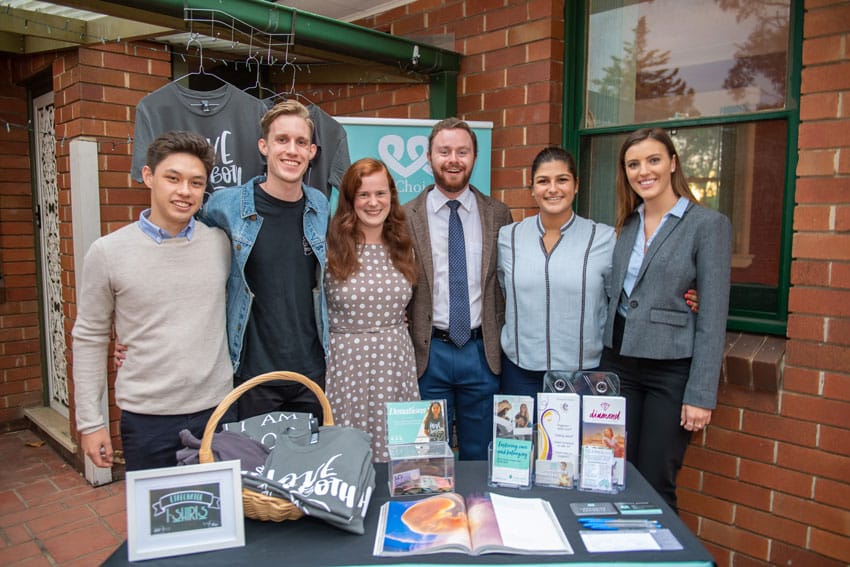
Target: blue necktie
(459, 329)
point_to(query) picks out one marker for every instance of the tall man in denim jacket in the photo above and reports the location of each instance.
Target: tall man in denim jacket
(276, 311)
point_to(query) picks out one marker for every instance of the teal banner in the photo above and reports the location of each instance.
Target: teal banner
(402, 144)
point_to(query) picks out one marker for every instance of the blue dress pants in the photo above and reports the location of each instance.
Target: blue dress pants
(462, 377)
(518, 381)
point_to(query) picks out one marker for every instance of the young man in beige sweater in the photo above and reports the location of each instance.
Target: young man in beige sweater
(161, 281)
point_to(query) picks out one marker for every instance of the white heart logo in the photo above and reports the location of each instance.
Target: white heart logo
(391, 150)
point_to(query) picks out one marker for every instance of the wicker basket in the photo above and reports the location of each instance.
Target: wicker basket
(260, 506)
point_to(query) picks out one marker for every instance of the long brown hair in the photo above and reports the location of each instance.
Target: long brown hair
(345, 236)
(627, 199)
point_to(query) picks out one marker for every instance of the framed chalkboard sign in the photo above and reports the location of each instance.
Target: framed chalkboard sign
(182, 510)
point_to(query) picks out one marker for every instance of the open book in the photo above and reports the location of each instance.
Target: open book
(481, 523)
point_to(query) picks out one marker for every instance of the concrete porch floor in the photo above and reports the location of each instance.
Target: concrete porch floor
(49, 514)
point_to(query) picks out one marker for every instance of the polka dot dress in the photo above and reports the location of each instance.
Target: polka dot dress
(371, 358)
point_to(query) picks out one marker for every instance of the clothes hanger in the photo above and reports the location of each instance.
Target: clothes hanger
(285, 94)
(201, 71)
(257, 86)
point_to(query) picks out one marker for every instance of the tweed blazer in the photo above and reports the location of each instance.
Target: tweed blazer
(693, 251)
(494, 215)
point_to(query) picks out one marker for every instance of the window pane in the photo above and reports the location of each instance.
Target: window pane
(656, 60)
(738, 169)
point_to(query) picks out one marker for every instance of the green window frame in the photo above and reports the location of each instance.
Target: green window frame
(761, 308)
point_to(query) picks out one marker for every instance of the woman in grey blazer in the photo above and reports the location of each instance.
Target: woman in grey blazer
(667, 357)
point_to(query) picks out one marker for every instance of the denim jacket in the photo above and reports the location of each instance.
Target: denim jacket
(233, 210)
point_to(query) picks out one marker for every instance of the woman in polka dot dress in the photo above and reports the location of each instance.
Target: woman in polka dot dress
(370, 273)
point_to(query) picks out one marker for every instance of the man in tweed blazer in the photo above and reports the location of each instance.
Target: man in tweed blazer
(466, 375)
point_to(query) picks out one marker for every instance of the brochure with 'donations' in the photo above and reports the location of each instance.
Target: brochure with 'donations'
(421, 421)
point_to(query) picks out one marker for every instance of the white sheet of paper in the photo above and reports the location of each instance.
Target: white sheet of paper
(601, 541)
(520, 525)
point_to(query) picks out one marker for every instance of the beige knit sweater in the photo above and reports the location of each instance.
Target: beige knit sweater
(168, 304)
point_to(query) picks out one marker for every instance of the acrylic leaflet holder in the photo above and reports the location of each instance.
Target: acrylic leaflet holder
(421, 468)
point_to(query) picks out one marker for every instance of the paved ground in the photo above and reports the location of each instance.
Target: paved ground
(49, 514)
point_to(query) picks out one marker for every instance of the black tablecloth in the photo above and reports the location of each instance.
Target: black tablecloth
(311, 542)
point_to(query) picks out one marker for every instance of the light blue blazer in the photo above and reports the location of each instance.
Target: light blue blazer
(693, 251)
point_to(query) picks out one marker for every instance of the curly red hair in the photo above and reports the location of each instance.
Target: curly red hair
(344, 234)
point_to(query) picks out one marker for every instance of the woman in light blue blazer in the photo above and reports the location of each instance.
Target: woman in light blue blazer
(667, 357)
(552, 267)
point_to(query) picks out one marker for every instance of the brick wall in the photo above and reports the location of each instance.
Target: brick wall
(511, 75)
(96, 91)
(20, 352)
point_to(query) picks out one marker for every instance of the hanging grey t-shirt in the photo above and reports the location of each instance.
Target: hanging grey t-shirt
(331, 159)
(227, 117)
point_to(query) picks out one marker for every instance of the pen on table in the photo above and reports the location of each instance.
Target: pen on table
(624, 522)
(621, 525)
(606, 527)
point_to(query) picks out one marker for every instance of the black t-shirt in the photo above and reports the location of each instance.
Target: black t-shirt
(281, 272)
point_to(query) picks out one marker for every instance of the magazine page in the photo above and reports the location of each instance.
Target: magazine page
(526, 526)
(433, 525)
(483, 526)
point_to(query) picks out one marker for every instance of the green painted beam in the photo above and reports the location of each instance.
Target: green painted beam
(310, 30)
(443, 95)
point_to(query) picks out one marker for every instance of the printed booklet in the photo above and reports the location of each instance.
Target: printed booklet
(513, 450)
(478, 524)
(603, 443)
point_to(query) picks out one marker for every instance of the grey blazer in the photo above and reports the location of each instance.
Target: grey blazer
(689, 252)
(420, 311)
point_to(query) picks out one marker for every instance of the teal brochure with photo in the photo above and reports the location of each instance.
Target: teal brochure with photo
(512, 450)
(421, 421)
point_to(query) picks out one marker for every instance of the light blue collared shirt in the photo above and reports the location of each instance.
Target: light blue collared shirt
(438, 229)
(641, 245)
(158, 234)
